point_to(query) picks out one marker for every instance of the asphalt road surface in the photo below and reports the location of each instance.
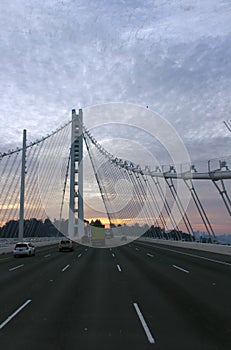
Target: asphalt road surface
(138, 296)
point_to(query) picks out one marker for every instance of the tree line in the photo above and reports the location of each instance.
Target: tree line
(32, 228)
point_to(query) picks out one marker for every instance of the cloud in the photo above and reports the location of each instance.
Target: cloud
(172, 56)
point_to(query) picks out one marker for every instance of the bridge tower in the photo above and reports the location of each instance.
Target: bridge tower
(76, 214)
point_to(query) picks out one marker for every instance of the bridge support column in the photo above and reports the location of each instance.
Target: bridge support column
(22, 189)
(76, 214)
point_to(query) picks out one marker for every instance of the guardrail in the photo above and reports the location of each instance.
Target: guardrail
(7, 244)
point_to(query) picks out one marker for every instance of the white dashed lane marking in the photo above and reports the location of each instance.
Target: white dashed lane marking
(66, 267)
(14, 314)
(144, 324)
(16, 267)
(180, 268)
(119, 268)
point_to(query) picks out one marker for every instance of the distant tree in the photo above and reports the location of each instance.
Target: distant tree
(97, 223)
(10, 229)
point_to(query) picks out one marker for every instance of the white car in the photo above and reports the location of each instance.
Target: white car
(24, 248)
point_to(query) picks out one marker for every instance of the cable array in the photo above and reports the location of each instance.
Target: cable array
(129, 196)
(46, 163)
(154, 199)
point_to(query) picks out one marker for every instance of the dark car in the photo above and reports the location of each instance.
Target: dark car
(66, 244)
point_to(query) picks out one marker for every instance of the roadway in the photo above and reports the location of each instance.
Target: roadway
(138, 296)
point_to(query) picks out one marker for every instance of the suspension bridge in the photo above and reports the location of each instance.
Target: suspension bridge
(144, 294)
(43, 189)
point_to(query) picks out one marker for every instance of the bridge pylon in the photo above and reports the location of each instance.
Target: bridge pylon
(76, 213)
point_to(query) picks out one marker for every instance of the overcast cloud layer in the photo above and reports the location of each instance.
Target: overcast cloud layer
(172, 56)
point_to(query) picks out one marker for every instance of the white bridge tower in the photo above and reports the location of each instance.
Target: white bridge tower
(76, 215)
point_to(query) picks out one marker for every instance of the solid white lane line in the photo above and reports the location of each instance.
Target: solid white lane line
(14, 314)
(151, 256)
(180, 268)
(113, 255)
(188, 254)
(119, 268)
(16, 267)
(47, 256)
(66, 267)
(144, 324)
(79, 255)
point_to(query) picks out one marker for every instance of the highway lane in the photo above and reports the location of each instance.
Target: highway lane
(200, 296)
(32, 274)
(138, 296)
(79, 306)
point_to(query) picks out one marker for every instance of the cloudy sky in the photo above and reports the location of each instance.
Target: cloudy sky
(172, 56)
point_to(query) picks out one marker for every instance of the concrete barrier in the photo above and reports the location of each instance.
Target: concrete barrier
(208, 247)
